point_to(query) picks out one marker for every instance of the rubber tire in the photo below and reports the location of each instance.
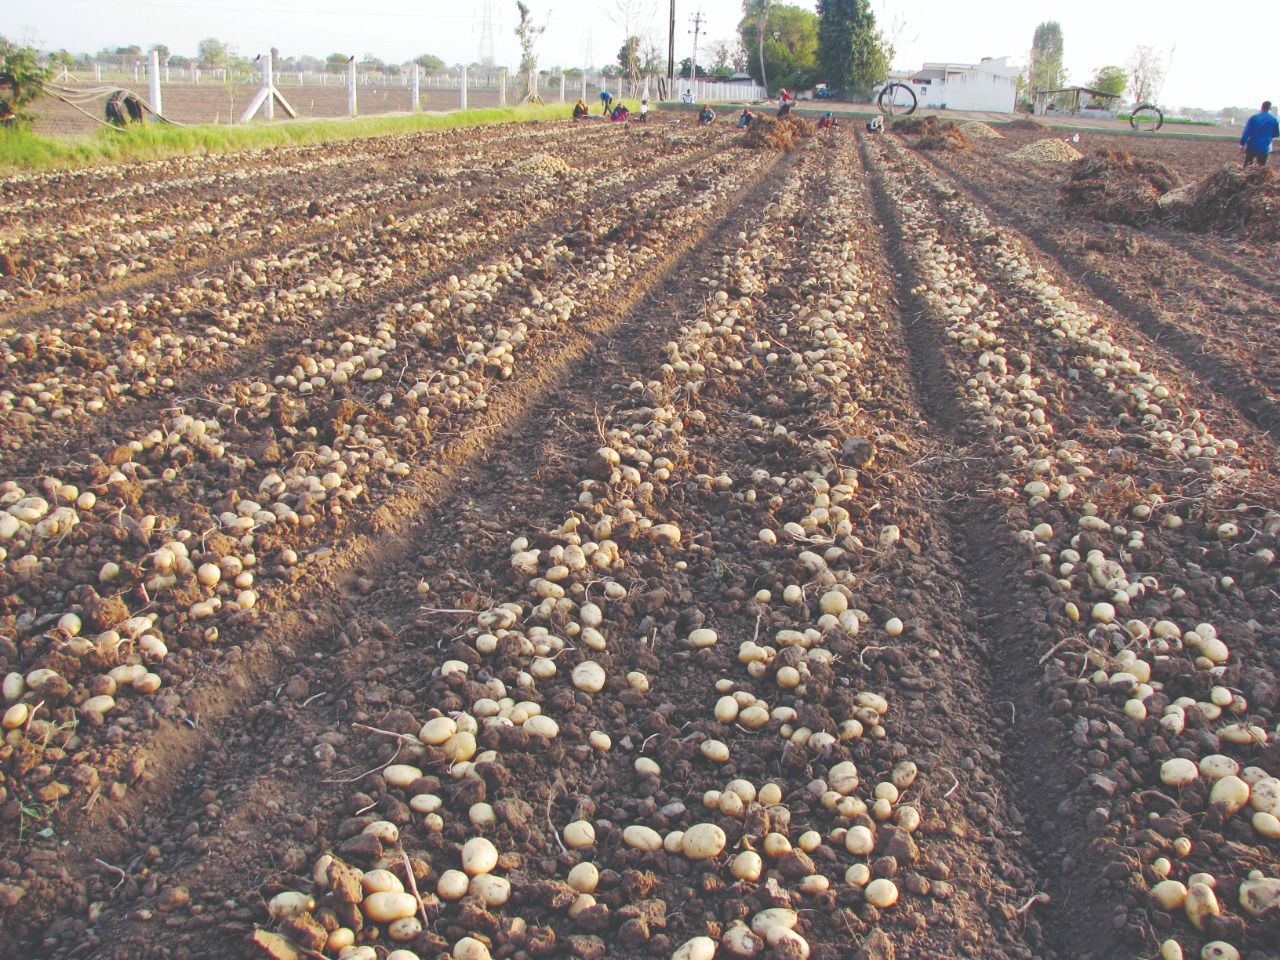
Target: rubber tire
(892, 87)
(1146, 106)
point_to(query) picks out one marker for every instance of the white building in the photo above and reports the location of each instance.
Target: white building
(991, 85)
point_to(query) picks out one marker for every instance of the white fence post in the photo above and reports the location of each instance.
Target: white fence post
(269, 84)
(417, 81)
(584, 86)
(153, 81)
(562, 100)
(351, 87)
(502, 87)
(462, 86)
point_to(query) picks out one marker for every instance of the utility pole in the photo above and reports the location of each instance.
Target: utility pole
(671, 50)
(486, 36)
(697, 20)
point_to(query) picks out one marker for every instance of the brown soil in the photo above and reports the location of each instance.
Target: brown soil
(1113, 186)
(379, 418)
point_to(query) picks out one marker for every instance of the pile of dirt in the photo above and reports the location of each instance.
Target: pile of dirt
(933, 132)
(1047, 151)
(1026, 123)
(977, 130)
(918, 126)
(1243, 203)
(944, 136)
(1116, 187)
(766, 133)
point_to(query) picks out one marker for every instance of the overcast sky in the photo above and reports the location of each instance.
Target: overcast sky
(1220, 55)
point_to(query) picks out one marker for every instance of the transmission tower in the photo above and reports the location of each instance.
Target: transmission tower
(486, 35)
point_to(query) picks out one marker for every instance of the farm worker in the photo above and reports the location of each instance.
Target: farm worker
(827, 122)
(620, 112)
(785, 102)
(875, 125)
(579, 110)
(606, 102)
(744, 120)
(687, 96)
(706, 114)
(1259, 131)
(644, 111)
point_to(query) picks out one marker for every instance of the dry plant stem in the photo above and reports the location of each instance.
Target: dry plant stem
(551, 798)
(385, 763)
(413, 886)
(114, 869)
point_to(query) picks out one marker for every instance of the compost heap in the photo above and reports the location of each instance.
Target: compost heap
(1242, 203)
(1114, 186)
(766, 133)
(933, 133)
(1047, 151)
(1026, 123)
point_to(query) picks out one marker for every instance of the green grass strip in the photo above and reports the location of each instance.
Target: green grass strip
(21, 150)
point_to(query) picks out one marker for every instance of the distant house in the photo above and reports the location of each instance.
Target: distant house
(990, 86)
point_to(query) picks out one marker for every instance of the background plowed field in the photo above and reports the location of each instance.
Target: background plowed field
(611, 541)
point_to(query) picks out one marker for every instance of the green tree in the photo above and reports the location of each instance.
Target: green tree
(1110, 80)
(790, 46)
(758, 12)
(629, 58)
(429, 61)
(851, 50)
(336, 62)
(161, 49)
(23, 65)
(212, 52)
(1045, 69)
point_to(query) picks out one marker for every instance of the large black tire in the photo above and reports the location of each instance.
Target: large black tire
(1146, 116)
(887, 102)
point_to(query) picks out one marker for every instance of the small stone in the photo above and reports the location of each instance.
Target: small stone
(273, 946)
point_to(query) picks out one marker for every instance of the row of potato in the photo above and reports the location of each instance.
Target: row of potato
(543, 663)
(1147, 531)
(193, 526)
(78, 246)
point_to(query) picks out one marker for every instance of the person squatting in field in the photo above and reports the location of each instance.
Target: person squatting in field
(579, 110)
(706, 114)
(1259, 131)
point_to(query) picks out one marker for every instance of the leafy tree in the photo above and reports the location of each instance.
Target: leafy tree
(336, 62)
(790, 46)
(23, 65)
(629, 57)
(528, 35)
(1146, 74)
(685, 66)
(212, 52)
(428, 61)
(1046, 71)
(852, 52)
(1110, 80)
(372, 64)
(758, 12)
(161, 49)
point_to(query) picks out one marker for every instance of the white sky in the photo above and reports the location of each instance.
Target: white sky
(1224, 55)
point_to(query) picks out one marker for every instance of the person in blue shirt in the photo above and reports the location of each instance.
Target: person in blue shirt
(606, 102)
(1259, 131)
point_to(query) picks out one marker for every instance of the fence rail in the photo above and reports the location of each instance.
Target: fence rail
(195, 95)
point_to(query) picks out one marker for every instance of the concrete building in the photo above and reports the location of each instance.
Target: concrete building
(991, 85)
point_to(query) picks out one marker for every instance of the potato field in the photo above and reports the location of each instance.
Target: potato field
(612, 541)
